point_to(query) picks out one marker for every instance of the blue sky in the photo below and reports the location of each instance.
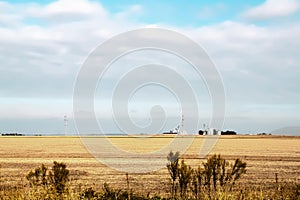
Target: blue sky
(179, 13)
(254, 44)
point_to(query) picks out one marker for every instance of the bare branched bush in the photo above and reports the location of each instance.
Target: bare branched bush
(59, 177)
(173, 168)
(89, 194)
(38, 176)
(185, 173)
(220, 173)
(235, 172)
(54, 181)
(214, 175)
(197, 181)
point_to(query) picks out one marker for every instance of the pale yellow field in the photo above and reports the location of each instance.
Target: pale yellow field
(265, 156)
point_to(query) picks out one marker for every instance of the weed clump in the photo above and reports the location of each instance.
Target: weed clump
(216, 174)
(54, 181)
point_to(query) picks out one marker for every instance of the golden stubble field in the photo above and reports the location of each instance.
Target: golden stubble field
(265, 156)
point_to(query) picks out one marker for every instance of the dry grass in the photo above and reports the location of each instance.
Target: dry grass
(265, 156)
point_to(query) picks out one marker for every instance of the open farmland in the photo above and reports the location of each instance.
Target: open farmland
(264, 156)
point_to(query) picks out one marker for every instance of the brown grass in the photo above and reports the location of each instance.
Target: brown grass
(265, 156)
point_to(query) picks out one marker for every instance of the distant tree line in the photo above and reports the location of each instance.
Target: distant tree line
(228, 133)
(12, 134)
(264, 134)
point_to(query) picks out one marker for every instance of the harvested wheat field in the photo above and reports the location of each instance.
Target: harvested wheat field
(265, 156)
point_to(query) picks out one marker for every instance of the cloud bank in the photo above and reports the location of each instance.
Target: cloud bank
(42, 47)
(273, 9)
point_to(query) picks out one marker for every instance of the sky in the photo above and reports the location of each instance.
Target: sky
(255, 46)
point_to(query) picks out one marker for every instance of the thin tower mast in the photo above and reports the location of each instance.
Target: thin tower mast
(182, 123)
(66, 124)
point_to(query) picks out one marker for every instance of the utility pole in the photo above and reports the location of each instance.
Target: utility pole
(66, 124)
(182, 123)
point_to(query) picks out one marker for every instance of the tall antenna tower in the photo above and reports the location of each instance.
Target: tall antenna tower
(182, 123)
(66, 124)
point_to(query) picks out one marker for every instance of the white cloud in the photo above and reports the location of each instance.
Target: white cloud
(67, 11)
(9, 16)
(258, 64)
(42, 49)
(72, 7)
(273, 8)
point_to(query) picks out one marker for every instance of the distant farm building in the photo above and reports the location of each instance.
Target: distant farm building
(212, 131)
